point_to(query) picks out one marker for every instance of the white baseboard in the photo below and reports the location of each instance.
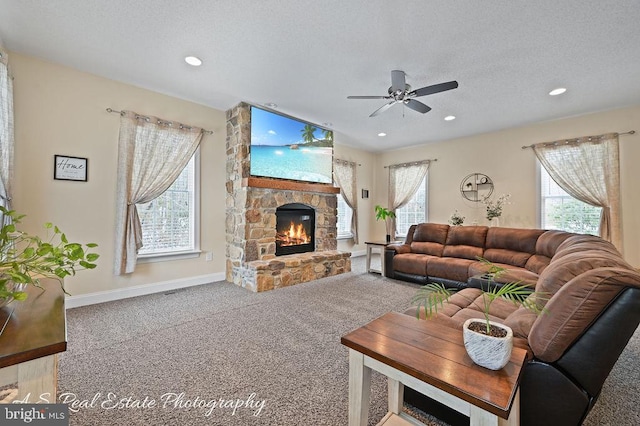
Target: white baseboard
(358, 253)
(140, 290)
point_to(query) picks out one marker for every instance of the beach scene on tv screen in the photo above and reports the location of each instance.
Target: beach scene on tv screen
(282, 147)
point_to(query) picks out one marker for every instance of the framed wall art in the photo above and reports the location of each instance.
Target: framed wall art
(70, 168)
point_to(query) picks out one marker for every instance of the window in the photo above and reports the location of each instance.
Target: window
(169, 223)
(344, 218)
(559, 210)
(415, 211)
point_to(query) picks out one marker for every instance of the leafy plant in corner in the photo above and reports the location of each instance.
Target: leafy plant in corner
(383, 213)
(24, 258)
(432, 296)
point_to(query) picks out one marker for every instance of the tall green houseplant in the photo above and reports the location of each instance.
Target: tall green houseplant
(385, 214)
(24, 258)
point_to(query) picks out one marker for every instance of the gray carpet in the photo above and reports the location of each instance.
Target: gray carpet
(276, 356)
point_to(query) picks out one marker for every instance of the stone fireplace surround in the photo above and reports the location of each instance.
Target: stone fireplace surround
(251, 221)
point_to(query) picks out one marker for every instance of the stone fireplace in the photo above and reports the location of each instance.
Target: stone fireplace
(258, 221)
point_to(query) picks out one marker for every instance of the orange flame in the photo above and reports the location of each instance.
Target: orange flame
(294, 236)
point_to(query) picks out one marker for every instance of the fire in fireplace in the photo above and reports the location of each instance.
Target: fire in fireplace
(295, 229)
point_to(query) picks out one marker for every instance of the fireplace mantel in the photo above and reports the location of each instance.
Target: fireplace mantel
(257, 182)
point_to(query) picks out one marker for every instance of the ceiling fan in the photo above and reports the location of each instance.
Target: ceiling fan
(400, 92)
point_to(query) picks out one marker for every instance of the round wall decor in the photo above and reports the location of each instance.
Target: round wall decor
(476, 187)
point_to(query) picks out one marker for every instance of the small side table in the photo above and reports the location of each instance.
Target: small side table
(32, 339)
(379, 245)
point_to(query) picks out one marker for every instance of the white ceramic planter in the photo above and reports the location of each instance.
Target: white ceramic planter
(488, 351)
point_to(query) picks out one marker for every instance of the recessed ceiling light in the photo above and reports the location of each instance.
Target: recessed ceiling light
(450, 117)
(382, 134)
(558, 91)
(271, 105)
(194, 61)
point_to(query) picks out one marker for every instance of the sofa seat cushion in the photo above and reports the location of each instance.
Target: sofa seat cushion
(521, 321)
(427, 247)
(471, 302)
(411, 263)
(512, 273)
(467, 304)
(449, 268)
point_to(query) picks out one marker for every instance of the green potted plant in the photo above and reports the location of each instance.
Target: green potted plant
(24, 258)
(385, 214)
(494, 208)
(481, 334)
(456, 219)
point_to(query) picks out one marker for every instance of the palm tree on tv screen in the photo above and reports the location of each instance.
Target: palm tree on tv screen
(328, 135)
(307, 133)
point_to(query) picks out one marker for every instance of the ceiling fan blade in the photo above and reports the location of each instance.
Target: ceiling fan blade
(436, 88)
(417, 106)
(398, 81)
(382, 109)
(368, 97)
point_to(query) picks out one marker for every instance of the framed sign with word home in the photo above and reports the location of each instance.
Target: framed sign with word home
(70, 168)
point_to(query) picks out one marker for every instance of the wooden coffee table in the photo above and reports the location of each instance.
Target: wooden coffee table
(431, 359)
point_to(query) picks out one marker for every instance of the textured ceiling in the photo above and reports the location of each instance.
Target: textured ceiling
(308, 56)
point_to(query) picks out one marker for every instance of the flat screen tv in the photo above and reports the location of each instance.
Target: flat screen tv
(285, 148)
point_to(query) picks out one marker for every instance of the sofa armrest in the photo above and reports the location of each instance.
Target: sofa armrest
(390, 251)
(398, 248)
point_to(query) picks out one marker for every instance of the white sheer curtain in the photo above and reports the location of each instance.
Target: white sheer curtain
(6, 133)
(151, 155)
(588, 169)
(404, 180)
(344, 173)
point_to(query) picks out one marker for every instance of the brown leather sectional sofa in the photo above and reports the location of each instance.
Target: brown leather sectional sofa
(593, 306)
(449, 254)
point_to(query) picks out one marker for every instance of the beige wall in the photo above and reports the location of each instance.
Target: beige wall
(62, 111)
(514, 170)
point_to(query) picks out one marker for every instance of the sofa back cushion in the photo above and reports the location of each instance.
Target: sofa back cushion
(546, 247)
(564, 269)
(465, 242)
(574, 308)
(510, 245)
(429, 238)
(580, 242)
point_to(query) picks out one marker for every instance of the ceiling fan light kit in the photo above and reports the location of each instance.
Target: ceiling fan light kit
(400, 92)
